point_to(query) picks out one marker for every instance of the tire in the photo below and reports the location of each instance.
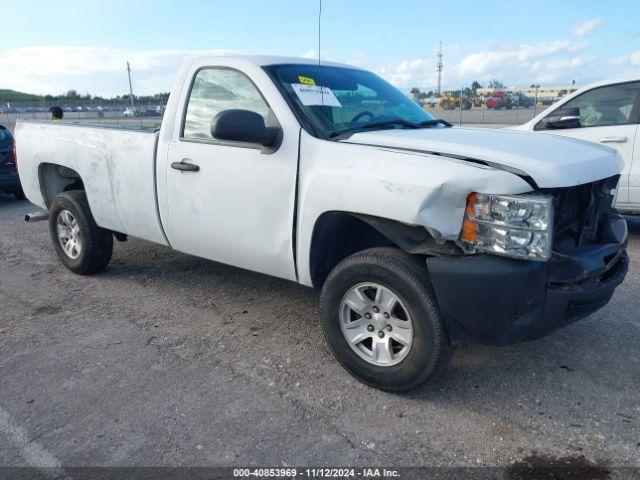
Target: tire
(19, 194)
(406, 277)
(95, 243)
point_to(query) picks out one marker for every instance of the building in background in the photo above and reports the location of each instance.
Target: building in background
(544, 93)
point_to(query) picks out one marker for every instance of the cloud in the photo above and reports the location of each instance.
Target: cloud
(630, 64)
(545, 62)
(310, 54)
(313, 55)
(102, 71)
(409, 72)
(46, 69)
(521, 55)
(583, 28)
(357, 60)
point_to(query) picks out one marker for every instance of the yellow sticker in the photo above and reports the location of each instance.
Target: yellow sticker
(307, 80)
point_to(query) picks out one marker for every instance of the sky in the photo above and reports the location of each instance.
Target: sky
(50, 47)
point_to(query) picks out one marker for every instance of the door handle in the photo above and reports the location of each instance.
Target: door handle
(613, 139)
(185, 166)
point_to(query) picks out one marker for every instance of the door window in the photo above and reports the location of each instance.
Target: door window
(215, 90)
(607, 106)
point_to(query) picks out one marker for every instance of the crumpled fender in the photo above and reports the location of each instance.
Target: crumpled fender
(408, 187)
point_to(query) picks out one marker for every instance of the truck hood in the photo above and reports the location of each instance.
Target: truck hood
(551, 161)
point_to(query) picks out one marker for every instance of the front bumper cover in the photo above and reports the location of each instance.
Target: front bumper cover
(499, 301)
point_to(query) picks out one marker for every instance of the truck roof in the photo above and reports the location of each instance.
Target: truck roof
(265, 60)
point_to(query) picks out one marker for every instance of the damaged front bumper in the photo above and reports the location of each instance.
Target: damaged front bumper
(498, 301)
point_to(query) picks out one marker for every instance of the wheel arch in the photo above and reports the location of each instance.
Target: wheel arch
(338, 234)
(55, 179)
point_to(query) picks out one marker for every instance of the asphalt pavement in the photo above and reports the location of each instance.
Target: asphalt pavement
(167, 359)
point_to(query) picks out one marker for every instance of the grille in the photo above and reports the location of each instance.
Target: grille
(578, 211)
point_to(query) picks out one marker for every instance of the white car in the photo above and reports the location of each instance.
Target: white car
(420, 235)
(607, 113)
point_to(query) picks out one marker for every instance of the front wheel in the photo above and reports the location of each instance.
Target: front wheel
(381, 319)
(82, 246)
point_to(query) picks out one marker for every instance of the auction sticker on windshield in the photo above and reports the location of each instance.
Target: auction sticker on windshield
(311, 95)
(306, 80)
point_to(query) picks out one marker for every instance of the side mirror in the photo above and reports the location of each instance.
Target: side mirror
(244, 126)
(563, 118)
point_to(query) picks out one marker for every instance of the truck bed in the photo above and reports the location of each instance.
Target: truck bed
(116, 164)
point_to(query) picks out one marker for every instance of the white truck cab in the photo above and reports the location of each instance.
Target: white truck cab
(420, 235)
(608, 113)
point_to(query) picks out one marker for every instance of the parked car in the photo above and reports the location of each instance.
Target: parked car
(607, 113)
(147, 112)
(130, 112)
(498, 100)
(9, 179)
(430, 102)
(420, 235)
(519, 100)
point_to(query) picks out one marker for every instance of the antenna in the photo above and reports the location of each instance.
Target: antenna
(319, 25)
(440, 66)
(319, 49)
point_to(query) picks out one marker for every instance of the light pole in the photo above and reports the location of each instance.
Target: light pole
(439, 69)
(535, 103)
(133, 108)
(460, 105)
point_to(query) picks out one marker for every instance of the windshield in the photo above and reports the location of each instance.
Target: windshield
(333, 100)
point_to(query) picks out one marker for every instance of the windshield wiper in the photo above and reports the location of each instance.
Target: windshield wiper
(435, 123)
(390, 123)
(381, 124)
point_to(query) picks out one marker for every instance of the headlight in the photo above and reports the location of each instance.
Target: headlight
(517, 226)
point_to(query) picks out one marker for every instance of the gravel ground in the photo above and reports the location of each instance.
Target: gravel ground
(166, 359)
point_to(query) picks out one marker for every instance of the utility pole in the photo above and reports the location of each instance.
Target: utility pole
(133, 108)
(460, 105)
(439, 70)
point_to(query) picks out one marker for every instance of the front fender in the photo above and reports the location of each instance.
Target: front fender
(411, 188)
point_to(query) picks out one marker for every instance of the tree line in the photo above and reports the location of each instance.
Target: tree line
(72, 96)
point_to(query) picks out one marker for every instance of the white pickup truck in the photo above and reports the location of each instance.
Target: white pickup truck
(420, 235)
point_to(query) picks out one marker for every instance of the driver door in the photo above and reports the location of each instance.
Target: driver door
(608, 116)
(230, 201)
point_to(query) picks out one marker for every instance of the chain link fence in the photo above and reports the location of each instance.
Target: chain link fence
(480, 116)
(120, 113)
(117, 113)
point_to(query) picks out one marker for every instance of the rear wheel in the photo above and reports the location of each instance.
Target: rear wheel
(381, 320)
(81, 245)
